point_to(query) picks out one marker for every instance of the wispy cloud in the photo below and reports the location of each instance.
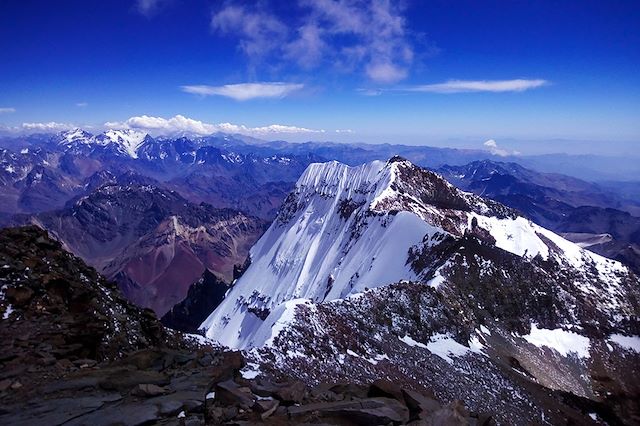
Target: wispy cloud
(82, 104)
(149, 8)
(181, 124)
(246, 91)
(461, 86)
(50, 126)
(347, 35)
(7, 110)
(495, 149)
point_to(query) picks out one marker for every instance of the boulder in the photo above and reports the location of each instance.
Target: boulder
(419, 405)
(230, 393)
(385, 388)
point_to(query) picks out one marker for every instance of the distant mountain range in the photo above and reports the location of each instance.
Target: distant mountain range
(131, 204)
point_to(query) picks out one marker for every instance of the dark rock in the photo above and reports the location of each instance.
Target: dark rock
(125, 379)
(4, 384)
(19, 296)
(385, 388)
(148, 390)
(373, 411)
(419, 405)
(229, 392)
(352, 390)
(453, 414)
(122, 414)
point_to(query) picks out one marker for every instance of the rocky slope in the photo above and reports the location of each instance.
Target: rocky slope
(388, 270)
(153, 242)
(74, 352)
(560, 203)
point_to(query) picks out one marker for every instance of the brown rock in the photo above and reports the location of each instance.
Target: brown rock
(19, 296)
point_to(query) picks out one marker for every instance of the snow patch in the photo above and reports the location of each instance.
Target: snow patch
(631, 343)
(564, 342)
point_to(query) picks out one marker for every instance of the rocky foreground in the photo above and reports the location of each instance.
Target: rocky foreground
(74, 352)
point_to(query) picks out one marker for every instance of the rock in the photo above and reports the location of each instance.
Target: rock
(124, 379)
(373, 411)
(290, 393)
(219, 415)
(264, 405)
(123, 415)
(229, 392)
(270, 411)
(385, 388)
(16, 385)
(54, 411)
(169, 407)
(419, 405)
(4, 384)
(84, 363)
(453, 414)
(351, 390)
(19, 296)
(148, 390)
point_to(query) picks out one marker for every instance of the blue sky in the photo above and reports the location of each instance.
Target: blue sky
(535, 76)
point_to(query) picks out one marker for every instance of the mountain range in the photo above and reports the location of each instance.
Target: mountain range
(454, 282)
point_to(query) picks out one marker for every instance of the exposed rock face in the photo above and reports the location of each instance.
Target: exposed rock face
(153, 242)
(414, 280)
(203, 297)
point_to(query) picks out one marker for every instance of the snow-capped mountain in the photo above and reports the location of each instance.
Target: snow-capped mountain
(387, 270)
(124, 142)
(346, 229)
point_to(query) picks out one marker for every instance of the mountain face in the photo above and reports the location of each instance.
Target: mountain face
(580, 210)
(153, 242)
(203, 297)
(387, 270)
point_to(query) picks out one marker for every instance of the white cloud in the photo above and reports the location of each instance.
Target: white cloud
(385, 72)
(181, 124)
(258, 30)
(82, 104)
(149, 8)
(493, 147)
(7, 110)
(246, 91)
(460, 86)
(348, 35)
(344, 131)
(51, 126)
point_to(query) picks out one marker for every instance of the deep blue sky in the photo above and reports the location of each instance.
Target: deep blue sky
(121, 59)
